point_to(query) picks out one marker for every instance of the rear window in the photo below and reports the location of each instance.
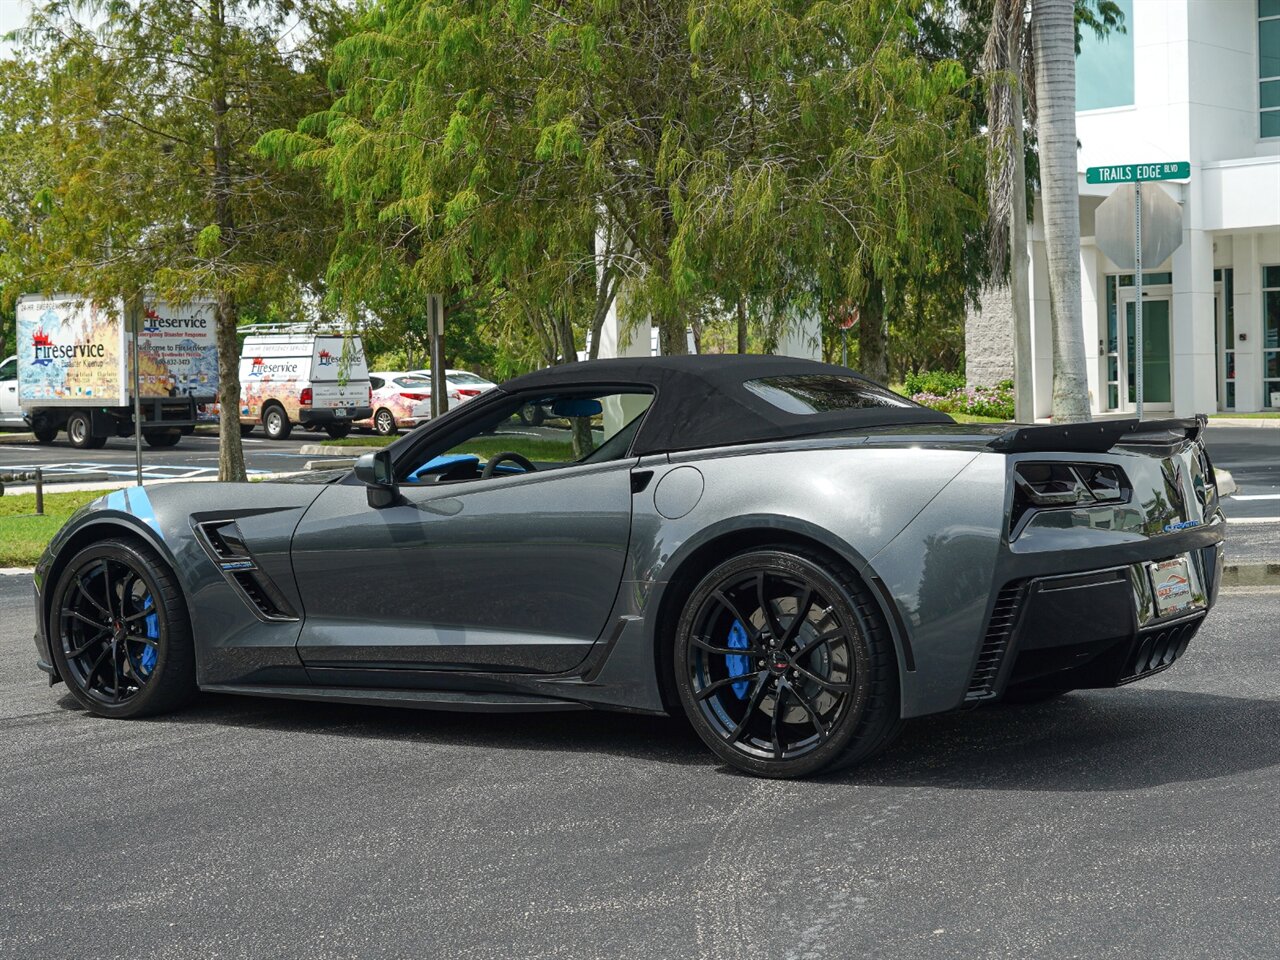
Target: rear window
(412, 382)
(460, 376)
(822, 393)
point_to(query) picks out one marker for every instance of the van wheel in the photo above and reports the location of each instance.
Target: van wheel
(384, 423)
(337, 431)
(80, 432)
(246, 429)
(276, 423)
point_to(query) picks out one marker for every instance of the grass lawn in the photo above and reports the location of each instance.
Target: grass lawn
(1246, 416)
(974, 418)
(23, 535)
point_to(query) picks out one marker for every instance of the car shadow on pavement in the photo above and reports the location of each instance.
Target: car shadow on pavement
(1090, 740)
(1094, 740)
(587, 731)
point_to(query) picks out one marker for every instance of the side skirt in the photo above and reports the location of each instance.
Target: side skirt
(418, 699)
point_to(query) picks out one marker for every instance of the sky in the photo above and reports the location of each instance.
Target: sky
(13, 14)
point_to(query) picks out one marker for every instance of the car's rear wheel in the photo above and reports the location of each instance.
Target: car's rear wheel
(119, 632)
(784, 664)
(384, 422)
(275, 422)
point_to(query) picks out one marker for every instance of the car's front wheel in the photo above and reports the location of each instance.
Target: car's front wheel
(119, 631)
(785, 666)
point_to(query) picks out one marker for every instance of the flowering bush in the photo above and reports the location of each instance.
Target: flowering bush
(975, 401)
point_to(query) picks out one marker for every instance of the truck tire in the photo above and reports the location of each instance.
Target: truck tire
(162, 438)
(80, 432)
(276, 423)
(45, 434)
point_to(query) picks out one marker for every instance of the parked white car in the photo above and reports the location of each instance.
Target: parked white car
(398, 400)
(464, 383)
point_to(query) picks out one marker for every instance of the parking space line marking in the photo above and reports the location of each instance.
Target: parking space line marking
(1255, 496)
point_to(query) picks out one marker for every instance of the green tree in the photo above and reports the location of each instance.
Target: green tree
(735, 146)
(150, 180)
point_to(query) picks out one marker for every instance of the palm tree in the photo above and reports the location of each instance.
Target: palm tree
(1010, 60)
(1053, 44)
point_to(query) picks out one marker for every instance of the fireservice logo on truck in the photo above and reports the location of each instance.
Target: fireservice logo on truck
(274, 368)
(67, 351)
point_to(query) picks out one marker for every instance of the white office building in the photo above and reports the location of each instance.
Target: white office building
(1195, 80)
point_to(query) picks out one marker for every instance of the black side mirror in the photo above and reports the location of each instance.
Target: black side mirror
(375, 472)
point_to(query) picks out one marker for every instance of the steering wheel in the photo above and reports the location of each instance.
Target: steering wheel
(516, 458)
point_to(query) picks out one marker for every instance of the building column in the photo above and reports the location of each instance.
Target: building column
(1192, 326)
(1089, 295)
(1248, 316)
(1041, 327)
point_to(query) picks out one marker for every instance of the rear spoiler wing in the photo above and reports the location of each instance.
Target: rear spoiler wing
(1100, 436)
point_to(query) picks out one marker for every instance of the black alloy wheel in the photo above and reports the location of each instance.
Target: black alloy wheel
(784, 665)
(119, 632)
(384, 422)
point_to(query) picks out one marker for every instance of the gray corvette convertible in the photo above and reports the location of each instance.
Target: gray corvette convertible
(789, 555)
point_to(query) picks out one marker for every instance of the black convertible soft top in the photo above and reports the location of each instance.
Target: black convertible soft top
(719, 400)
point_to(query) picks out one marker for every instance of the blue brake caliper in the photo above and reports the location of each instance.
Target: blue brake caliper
(738, 663)
(148, 659)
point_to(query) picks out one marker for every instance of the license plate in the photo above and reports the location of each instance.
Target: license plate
(1175, 590)
(340, 412)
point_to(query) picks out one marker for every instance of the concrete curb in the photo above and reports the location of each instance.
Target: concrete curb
(16, 571)
(331, 463)
(1226, 482)
(23, 438)
(1251, 575)
(322, 450)
(1267, 423)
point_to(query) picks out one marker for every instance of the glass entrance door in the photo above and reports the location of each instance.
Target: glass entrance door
(1157, 353)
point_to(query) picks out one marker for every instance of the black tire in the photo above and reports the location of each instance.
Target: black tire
(113, 571)
(80, 431)
(246, 429)
(384, 422)
(843, 679)
(162, 438)
(275, 422)
(45, 434)
(337, 431)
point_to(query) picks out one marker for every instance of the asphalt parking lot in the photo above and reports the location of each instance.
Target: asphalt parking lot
(1124, 823)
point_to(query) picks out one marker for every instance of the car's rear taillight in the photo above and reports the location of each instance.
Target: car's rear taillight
(305, 399)
(416, 396)
(465, 392)
(1055, 484)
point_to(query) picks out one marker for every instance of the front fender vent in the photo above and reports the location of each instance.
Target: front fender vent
(225, 544)
(1004, 616)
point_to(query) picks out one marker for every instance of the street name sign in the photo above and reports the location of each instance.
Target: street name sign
(1137, 172)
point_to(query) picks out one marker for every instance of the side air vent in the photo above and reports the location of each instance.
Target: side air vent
(264, 595)
(995, 644)
(225, 544)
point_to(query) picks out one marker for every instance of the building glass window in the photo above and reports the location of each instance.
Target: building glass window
(1269, 67)
(1113, 348)
(1271, 337)
(1104, 66)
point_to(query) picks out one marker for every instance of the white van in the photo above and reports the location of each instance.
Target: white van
(316, 381)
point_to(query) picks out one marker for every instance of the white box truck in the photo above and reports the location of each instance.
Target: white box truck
(73, 370)
(318, 381)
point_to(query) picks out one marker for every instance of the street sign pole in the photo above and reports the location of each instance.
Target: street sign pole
(1164, 232)
(1137, 287)
(135, 321)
